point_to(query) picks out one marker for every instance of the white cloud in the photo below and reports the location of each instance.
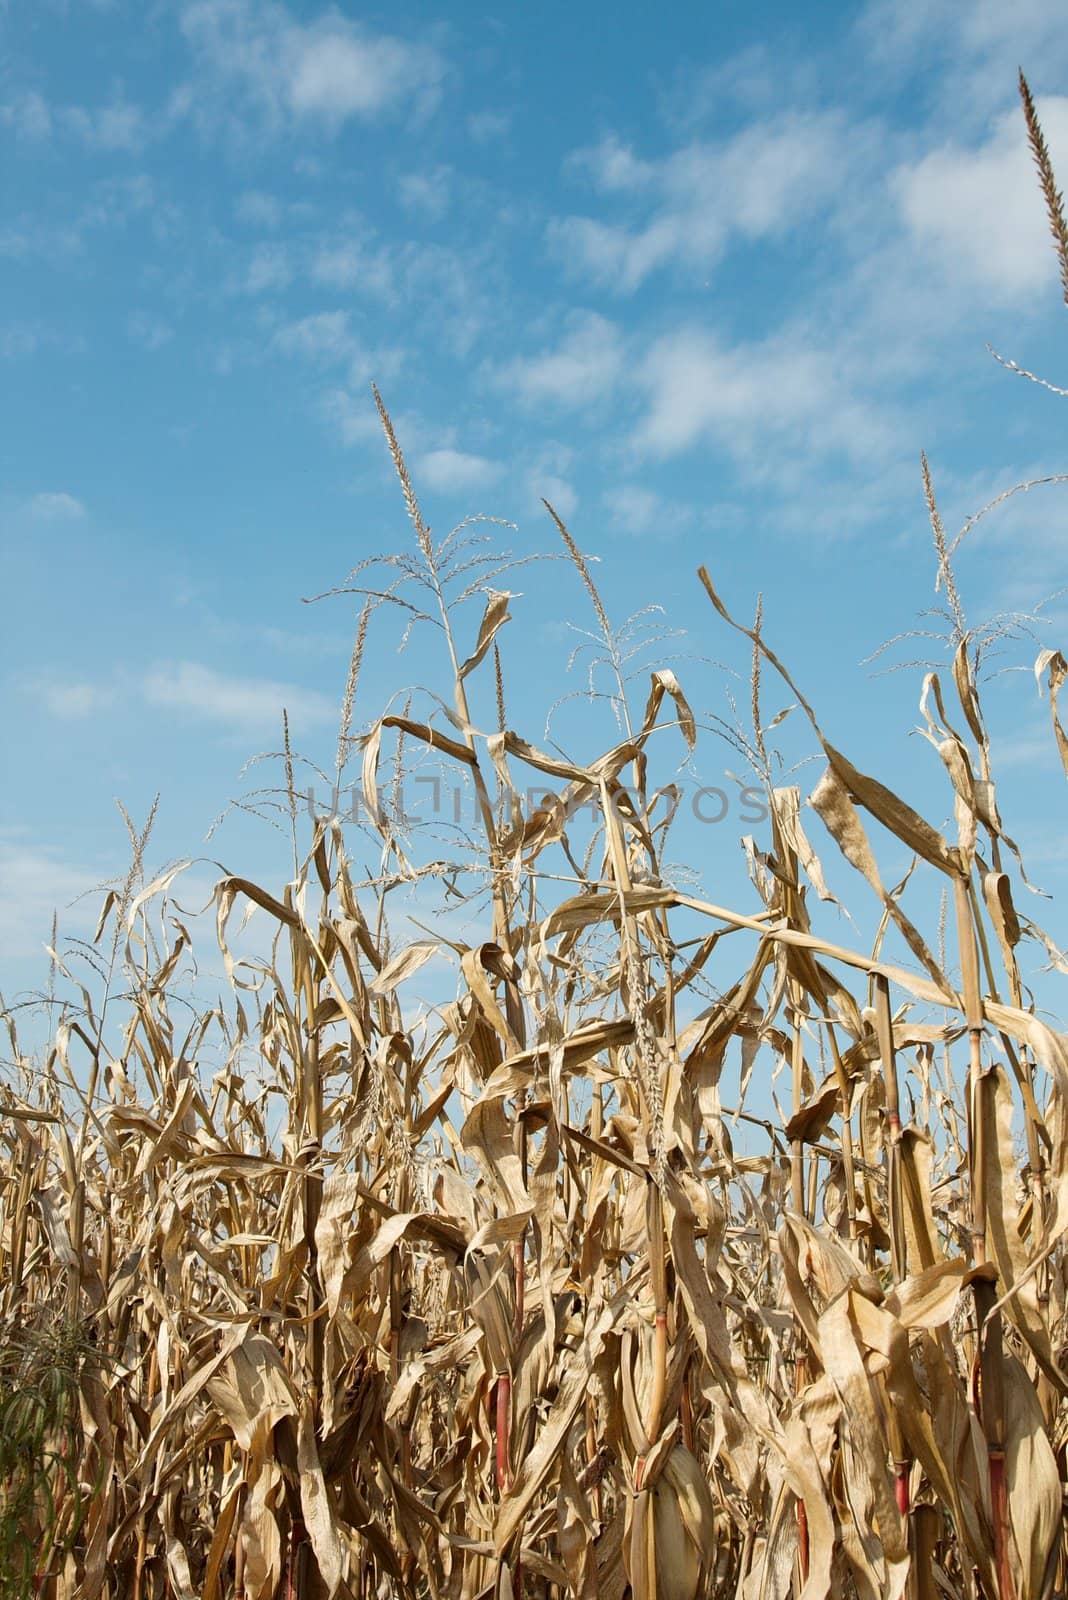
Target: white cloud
(978, 211)
(35, 883)
(444, 290)
(326, 339)
(621, 258)
(324, 336)
(782, 398)
(269, 268)
(353, 416)
(485, 126)
(558, 491)
(451, 470)
(56, 506)
(758, 78)
(978, 46)
(242, 703)
(767, 179)
(114, 201)
(428, 194)
(327, 70)
(109, 203)
(258, 209)
(640, 511)
(29, 115)
(895, 29)
(549, 477)
(120, 126)
(18, 341)
(985, 23)
(613, 166)
(148, 331)
(583, 367)
(338, 72)
(352, 263)
(73, 699)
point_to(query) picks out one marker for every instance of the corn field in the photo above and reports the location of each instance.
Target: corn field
(314, 1290)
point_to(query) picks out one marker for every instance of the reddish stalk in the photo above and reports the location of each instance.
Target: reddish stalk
(643, 1542)
(802, 1541)
(686, 1411)
(503, 1408)
(294, 1586)
(984, 1279)
(658, 1278)
(884, 1029)
(797, 1200)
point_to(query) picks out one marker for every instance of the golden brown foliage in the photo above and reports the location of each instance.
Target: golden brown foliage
(480, 1298)
(402, 1301)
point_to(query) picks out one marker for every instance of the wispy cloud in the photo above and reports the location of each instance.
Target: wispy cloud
(119, 126)
(322, 71)
(976, 209)
(20, 340)
(258, 209)
(73, 699)
(326, 340)
(976, 48)
(352, 416)
(56, 506)
(28, 115)
(484, 126)
(36, 882)
(241, 703)
(150, 332)
(352, 261)
(639, 511)
(559, 492)
(757, 79)
(766, 179)
(427, 194)
(442, 288)
(786, 395)
(270, 268)
(111, 202)
(326, 335)
(450, 470)
(245, 704)
(584, 365)
(549, 477)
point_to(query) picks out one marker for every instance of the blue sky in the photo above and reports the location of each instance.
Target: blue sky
(705, 278)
